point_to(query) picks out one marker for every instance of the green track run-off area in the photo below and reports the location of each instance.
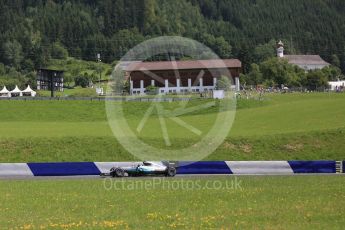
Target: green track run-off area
(264, 202)
(279, 127)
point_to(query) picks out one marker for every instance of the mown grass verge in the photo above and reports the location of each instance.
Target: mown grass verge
(281, 127)
(282, 202)
(322, 145)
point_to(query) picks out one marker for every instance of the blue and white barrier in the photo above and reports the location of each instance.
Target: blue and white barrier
(260, 167)
(313, 166)
(64, 169)
(203, 167)
(104, 167)
(183, 167)
(15, 169)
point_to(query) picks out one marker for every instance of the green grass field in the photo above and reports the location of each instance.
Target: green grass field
(282, 202)
(282, 127)
(76, 92)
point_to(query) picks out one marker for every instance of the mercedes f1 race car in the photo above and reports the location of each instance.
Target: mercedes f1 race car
(146, 168)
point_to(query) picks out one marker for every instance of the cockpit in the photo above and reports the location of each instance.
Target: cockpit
(146, 163)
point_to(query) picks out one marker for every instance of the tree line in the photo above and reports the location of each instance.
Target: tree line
(34, 31)
(278, 73)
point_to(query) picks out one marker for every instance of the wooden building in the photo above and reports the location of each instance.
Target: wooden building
(181, 76)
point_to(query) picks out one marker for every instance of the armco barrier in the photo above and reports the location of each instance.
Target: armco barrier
(183, 167)
(313, 166)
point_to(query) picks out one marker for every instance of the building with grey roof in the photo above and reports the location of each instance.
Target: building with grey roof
(306, 62)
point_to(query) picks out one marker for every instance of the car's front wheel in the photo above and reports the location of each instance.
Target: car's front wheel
(171, 172)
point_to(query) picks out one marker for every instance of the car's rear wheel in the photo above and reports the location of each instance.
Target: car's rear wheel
(171, 172)
(117, 172)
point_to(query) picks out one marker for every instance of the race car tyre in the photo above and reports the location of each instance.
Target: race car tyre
(171, 172)
(117, 172)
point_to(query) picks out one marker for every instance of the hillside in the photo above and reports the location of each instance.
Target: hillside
(230, 27)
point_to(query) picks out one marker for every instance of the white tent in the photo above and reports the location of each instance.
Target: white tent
(5, 93)
(336, 84)
(17, 91)
(29, 91)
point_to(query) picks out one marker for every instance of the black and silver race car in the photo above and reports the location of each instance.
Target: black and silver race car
(146, 168)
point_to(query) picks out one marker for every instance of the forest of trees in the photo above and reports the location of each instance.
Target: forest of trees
(277, 72)
(33, 31)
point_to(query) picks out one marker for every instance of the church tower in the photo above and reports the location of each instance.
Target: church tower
(280, 49)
